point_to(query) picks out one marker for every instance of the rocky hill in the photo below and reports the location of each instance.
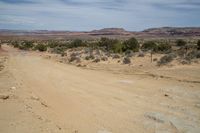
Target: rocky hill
(107, 32)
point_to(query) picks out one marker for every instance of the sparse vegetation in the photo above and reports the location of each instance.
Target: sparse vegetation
(123, 50)
(150, 45)
(74, 57)
(126, 60)
(116, 56)
(89, 57)
(41, 47)
(163, 47)
(112, 45)
(180, 42)
(96, 60)
(198, 44)
(166, 59)
(104, 58)
(131, 44)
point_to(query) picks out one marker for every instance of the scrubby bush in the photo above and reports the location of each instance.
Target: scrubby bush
(198, 54)
(96, 60)
(104, 58)
(155, 59)
(89, 57)
(15, 44)
(150, 45)
(26, 45)
(117, 47)
(131, 44)
(129, 53)
(41, 47)
(58, 50)
(74, 57)
(110, 45)
(52, 44)
(198, 45)
(141, 54)
(180, 42)
(88, 50)
(126, 60)
(163, 47)
(116, 56)
(192, 55)
(76, 43)
(166, 59)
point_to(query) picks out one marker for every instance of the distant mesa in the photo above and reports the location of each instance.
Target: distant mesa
(110, 31)
(106, 32)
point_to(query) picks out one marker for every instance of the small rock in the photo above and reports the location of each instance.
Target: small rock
(44, 104)
(35, 98)
(4, 96)
(13, 88)
(58, 127)
(166, 95)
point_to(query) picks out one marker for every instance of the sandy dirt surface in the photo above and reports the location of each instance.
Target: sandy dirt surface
(43, 96)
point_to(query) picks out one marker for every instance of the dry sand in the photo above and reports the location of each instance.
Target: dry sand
(45, 96)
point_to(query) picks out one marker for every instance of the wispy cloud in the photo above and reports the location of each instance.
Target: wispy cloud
(17, 1)
(95, 14)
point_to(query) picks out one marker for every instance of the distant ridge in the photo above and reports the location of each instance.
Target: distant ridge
(106, 32)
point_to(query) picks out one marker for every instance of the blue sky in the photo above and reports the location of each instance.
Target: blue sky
(84, 15)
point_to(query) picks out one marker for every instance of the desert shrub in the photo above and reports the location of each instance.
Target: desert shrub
(89, 57)
(117, 47)
(155, 59)
(41, 47)
(93, 44)
(198, 54)
(184, 62)
(53, 44)
(96, 60)
(141, 54)
(192, 55)
(163, 47)
(131, 44)
(76, 43)
(110, 44)
(198, 44)
(180, 42)
(97, 52)
(126, 60)
(150, 45)
(129, 53)
(58, 50)
(74, 54)
(108, 54)
(74, 57)
(104, 58)
(26, 45)
(15, 44)
(116, 56)
(166, 59)
(181, 52)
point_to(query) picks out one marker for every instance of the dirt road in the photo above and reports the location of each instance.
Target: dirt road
(50, 97)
